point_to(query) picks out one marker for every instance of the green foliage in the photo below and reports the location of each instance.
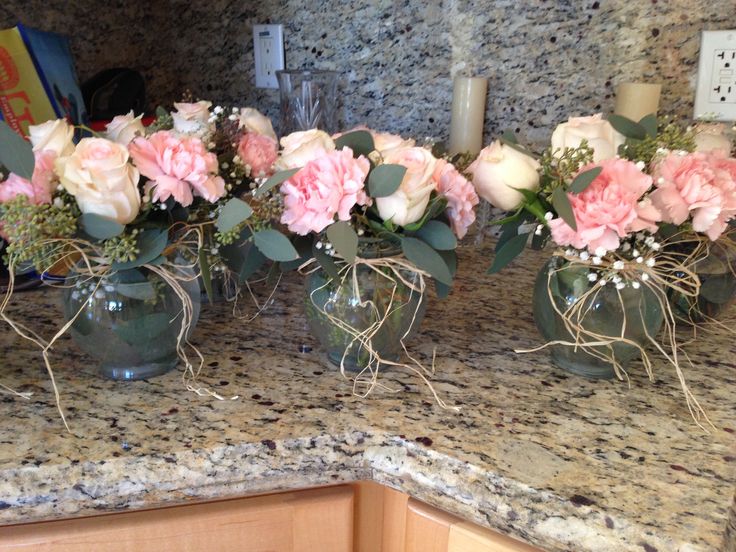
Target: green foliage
(508, 251)
(274, 245)
(426, 258)
(31, 227)
(16, 154)
(344, 239)
(151, 244)
(670, 136)
(627, 127)
(581, 182)
(360, 141)
(438, 235)
(100, 228)
(123, 248)
(274, 181)
(385, 179)
(233, 214)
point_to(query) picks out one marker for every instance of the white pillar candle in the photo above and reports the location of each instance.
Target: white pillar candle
(635, 100)
(468, 114)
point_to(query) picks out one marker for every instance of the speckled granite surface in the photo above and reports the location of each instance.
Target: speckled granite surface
(562, 462)
(546, 59)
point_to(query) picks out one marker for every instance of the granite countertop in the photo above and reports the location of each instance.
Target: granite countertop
(561, 462)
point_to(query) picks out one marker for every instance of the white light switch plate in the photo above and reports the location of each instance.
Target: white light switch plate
(715, 96)
(268, 46)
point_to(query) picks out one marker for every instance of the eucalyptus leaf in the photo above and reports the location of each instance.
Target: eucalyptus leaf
(150, 326)
(509, 137)
(508, 252)
(581, 182)
(253, 261)
(141, 291)
(508, 231)
(344, 239)
(360, 141)
(100, 228)
(627, 127)
(438, 235)
(274, 245)
(327, 263)
(303, 246)
(718, 289)
(205, 274)
(16, 154)
(151, 244)
(274, 181)
(385, 179)
(562, 205)
(233, 213)
(649, 122)
(427, 259)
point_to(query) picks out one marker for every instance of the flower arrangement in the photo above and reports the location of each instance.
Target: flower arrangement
(368, 202)
(135, 201)
(629, 206)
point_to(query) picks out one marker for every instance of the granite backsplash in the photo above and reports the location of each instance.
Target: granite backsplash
(544, 59)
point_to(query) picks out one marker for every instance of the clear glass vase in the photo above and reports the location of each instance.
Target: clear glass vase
(717, 275)
(605, 311)
(129, 321)
(380, 302)
(308, 100)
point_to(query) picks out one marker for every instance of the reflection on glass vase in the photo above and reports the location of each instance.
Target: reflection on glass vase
(129, 321)
(375, 303)
(603, 311)
(717, 275)
(308, 100)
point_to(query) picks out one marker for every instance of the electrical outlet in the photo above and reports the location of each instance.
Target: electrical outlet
(268, 46)
(716, 93)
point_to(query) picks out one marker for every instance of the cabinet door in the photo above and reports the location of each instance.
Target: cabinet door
(306, 521)
(431, 530)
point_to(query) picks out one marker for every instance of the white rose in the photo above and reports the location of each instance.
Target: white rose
(299, 148)
(123, 128)
(409, 202)
(56, 136)
(386, 143)
(712, 136)
(101, 179)
(601, 136)
(498, 170)
(254, 121)
(192, 118)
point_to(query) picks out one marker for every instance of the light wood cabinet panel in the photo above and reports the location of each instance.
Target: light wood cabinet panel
(427, 528)
(395, 508)
(305, 521)
(466, 537)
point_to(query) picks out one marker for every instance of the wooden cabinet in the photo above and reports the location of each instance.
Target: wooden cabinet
(364, 517)
(306, 521)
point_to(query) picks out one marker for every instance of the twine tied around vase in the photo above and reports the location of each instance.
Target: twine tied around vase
(390, 268)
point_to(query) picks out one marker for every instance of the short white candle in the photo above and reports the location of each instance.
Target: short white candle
(468, 114)
(635, 100)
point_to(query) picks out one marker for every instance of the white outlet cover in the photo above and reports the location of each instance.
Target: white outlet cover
(715, 96)
(268, 48)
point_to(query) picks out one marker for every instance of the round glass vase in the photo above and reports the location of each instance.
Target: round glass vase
(604, 311)
(717, 275)
(380, 304)
(129, 321)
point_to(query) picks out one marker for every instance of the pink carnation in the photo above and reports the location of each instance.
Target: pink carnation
(259, 152)
(38, 189)
(609, 209)
(178, 166)
(460, 194)
(332, 184)
(696, 185)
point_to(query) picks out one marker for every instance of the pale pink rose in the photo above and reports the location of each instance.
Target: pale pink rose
(609, 209)
(328, 186)
(38, 189)
(56, 135)
(192, 118)
(179, 167)
(123, 128)
(299, 148)
(259, 152)
(460, 194)
(711, 137)
(697, 186)
(600, 135)
(100, 177)
(408, 203)
(383, 142)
